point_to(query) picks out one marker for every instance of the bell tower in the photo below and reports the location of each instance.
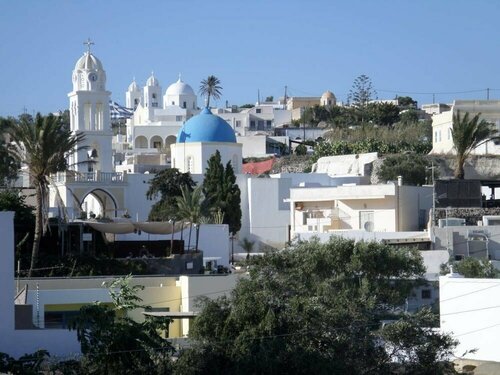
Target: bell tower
(89, 114)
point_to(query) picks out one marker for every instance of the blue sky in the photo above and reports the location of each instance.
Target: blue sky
(311, 46)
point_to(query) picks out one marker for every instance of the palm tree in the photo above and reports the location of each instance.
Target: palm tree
(42, 146)
(189, 205)
(247, 245)
(210, 87)
(467, 134)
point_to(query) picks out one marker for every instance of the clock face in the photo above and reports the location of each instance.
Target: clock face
(92, 77)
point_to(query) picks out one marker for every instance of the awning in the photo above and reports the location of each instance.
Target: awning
(114, 228)
(124, 227)
(172, 314)
(160, 227)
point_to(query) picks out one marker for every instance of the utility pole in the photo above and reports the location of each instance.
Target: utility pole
(487, 94)
(284, 105)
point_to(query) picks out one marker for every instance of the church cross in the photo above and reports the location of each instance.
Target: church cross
(88, 43)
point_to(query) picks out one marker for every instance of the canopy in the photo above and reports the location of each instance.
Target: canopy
(124, 227)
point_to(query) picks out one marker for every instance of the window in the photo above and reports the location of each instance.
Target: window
(157, 144)
(153, 96)
(252, 124)
(154, 104)
(190, 164)
(184, 105)
(366, 220)
(59, 319)
(269, 124)
(260, 125)
(238, 123)
(178, 118)
(173, 103)
(426, 294)
(258, 110)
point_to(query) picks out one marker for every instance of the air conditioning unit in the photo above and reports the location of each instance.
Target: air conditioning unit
(491, 220)
(451, 222)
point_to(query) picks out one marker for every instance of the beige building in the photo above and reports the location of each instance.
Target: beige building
(442, 123)
(297, 104)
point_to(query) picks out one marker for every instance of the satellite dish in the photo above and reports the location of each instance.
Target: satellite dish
(369, 226)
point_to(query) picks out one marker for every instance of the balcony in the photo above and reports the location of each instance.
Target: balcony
(90, 177)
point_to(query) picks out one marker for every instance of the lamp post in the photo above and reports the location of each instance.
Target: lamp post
(232, 249)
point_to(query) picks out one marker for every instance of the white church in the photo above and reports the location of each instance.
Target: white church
(118, 192)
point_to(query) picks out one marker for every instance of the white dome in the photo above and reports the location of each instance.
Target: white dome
(88, 62)
(152, 81)
(179, 88)
(133, 86)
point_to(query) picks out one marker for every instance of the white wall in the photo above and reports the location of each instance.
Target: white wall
(469, 310)
(269, 215)
(18, 342)
(194, 287)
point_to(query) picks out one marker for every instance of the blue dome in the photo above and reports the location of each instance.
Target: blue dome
(206, 127)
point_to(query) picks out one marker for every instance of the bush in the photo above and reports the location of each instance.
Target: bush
(412, 167)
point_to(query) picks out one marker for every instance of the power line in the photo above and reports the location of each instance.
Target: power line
(434, 92)
(468, 311)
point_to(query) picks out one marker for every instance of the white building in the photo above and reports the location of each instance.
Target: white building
(199, 138)
(156, 121)
(469, 312)
(442, 123)
(370, 208)
(89, 113)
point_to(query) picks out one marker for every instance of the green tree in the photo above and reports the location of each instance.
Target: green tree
(189, 206)
(406, 102)
(409, 116)
(8, 164)
(247, 245)
(385, 114)
(467, 134)
(43, 147)
(412, 167)
(11, 200)
(113, 343)
(361, 92)
(301, 149)
(167, 185)
(472, 268)
(222, 193)
(210, 87)
(317, 308)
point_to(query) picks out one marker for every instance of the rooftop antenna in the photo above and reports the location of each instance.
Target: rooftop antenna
(258, 96)
(88, 43)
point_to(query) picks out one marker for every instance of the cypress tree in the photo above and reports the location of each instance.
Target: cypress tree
(222, 193)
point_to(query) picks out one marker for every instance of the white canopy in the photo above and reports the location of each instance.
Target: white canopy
(124, 227)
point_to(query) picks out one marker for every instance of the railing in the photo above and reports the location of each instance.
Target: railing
(97, 176)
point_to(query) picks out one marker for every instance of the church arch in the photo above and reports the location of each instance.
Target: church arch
(170, 140)
(100, 202)
(156, 142)
(141, 142)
